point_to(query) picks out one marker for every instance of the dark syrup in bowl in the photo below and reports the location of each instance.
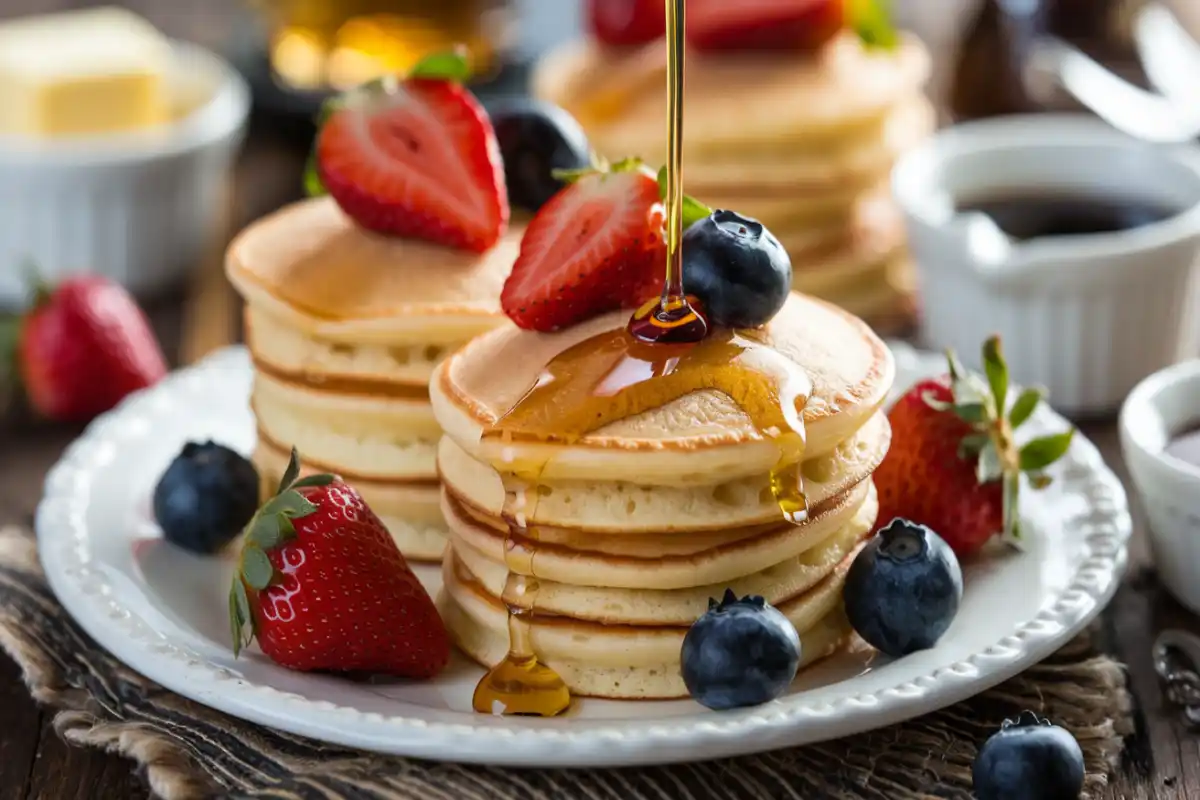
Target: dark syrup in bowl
(1034, 215)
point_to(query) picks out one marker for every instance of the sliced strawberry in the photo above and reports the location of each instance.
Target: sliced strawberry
(416, 158)
(764, 24)
(622, 23)
(593, 248)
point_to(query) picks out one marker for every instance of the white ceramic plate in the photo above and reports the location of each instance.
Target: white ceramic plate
(163, 611)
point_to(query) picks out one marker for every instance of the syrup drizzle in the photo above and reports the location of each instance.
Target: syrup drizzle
(664, 354)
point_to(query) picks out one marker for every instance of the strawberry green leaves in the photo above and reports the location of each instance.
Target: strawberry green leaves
(872, 21)
(693, 209)
(269, 528)
(600, 166)
(452, 65)
(982, 403)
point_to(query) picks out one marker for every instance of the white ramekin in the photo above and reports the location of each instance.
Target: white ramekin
(1088, 316)
(1163, 405)
(140, 208)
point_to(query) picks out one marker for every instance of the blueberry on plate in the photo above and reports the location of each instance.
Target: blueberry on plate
(903, 589)
(535, 139)
(737, 268)
(740, 653)
(1029, 759)
(206, 496)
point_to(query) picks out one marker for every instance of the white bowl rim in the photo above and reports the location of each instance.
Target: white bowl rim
(218, 119)
(1018, 131)
(1141, 403)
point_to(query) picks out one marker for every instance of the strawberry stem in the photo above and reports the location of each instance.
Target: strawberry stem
(40, 290)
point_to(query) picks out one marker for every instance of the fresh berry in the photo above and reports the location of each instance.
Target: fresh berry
(740, 653)
(589, 250)
(1029, 759)
(416, 158)
(799, 25)
(903, 589)
(737, 268)
(84, 346)
(205, 498)
(622, 23)
(537, 139)
(322, 586)
(954, 465)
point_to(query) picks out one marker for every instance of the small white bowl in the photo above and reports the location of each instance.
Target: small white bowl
(138, 207)
(1085, 316)
(1163, 405)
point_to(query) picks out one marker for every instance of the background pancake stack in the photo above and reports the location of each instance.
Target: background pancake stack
(345, 328)
(803, 143)
(637, 525)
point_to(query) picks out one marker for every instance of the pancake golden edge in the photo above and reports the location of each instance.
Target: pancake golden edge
(700, 440)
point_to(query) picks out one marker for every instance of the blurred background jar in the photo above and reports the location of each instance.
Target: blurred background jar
(320, 45)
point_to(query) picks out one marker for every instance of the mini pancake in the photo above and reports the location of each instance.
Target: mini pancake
(685, 442)
(710, 500)
(372, 436)
(619, 98)
(311, 268)
(635, 590)
(621, 661)
(409, 510)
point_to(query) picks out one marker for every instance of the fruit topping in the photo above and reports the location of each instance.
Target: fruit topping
(593, 248)
(82, 347)
(416, 157)
(622, 23)
(537, 139)
(205, 497)
(740, 653)
(954, 464)
(1029, 759)
(903, 589)
(798, 25)
(737, 268)
(322, 586)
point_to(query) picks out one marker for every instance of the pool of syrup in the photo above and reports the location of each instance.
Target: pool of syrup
(1034, 215)
(1185, 445)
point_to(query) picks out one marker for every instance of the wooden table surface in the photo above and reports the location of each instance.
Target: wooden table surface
(1162, 759)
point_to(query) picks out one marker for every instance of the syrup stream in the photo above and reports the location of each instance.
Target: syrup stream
(664, 354)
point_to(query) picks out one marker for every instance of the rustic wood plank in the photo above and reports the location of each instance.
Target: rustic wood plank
(63, 772)
(20, 721)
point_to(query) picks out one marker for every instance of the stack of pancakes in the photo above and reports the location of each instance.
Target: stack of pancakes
(635, 526)
(803, 143)
(345, 328)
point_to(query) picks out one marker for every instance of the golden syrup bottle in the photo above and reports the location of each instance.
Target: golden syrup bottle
(665, 353)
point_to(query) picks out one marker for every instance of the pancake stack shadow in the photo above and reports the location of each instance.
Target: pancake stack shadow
(635, 526)
(803, 143)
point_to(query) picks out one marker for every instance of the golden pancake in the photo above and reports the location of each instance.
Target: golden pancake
(731, 99)
(620, 661)
(310, 267)
(686, 442)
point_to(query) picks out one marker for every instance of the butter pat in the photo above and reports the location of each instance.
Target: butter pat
(82, 72)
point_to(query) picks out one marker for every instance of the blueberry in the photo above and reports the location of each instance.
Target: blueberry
(1029, 759)
(737, 268)
(205, 497)
(903, 589)
(535, 139)
(740, 653)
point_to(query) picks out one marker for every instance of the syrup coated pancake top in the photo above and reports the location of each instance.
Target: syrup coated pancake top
(732, 97)
(851, 370)
(318, 262)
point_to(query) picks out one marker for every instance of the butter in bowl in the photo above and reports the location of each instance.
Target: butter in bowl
(115, 147)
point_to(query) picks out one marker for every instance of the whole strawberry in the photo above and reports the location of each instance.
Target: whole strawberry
(84, 346)
(322, 586)
(954, 465)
